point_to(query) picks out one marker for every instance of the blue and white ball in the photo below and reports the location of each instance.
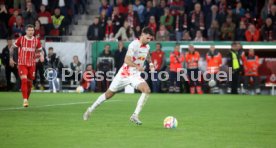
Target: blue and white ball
(170, 122)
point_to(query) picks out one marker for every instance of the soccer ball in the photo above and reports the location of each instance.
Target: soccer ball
(79, 89)
(170, 122)
(212, 83)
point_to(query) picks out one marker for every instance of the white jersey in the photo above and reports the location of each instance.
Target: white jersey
(130, 75)
(138, 52)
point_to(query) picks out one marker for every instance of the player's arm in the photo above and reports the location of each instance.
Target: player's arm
(150, 62)
(128, 58)
(129, 62)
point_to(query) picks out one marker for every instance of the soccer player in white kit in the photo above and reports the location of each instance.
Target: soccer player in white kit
(129, 74)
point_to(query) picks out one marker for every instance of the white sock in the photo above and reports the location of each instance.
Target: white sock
(142, 100)
(98, 102)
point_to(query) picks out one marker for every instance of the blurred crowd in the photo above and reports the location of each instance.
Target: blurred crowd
(50, 17)
(186, 20)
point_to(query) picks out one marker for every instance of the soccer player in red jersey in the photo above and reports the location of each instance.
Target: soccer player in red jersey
(29, 48)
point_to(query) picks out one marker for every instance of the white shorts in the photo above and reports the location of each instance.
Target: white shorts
(120, 82)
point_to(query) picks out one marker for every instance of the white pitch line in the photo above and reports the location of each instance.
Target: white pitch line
(51, 105)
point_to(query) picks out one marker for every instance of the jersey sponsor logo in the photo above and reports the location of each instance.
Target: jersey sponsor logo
(28, 49)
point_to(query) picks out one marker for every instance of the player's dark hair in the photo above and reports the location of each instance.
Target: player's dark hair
(50, 48)
(29, 26)
(147, 30)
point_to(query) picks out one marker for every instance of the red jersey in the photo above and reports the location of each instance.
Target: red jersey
(157, 58)
(27, 50)
(192, 60)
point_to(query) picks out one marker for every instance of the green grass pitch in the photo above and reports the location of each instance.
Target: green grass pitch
(215, 121)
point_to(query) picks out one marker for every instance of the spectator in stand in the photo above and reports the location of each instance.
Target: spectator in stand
(239, 11)
(175, 6)
(137, 31)
(76, 67)
(210, 17)
(45, 18)
(159, 60)
(119, 55)
(272, 15)
(59, 21)
(125, 33)
(29, 15)
(252, 34)
(228, 30)
(268, 31)
(39, 30)
(132, 17)
(251, 65)
(109, 31)
(187, 36)
(167, 20)
(160, 9)
(117, 19)
(4, 15)
(103, 19)
(163, 34)
(222, 6)
(122, 9)
(88, 81)
(149, 11)
(12, 19)
(152, 24)
(235, 18)
(240, 32)
(199, 37)
(95, 31)
(267, 9)
(179, 25)
(139, 8)
(207, 7)
(197, 20)
(18, 28)
(214, 31)
(247, 19)
(105, 6)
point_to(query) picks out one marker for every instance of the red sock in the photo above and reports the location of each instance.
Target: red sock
(30, 84)
(24, 88)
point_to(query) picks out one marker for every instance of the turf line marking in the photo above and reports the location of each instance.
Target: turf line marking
(52, 105)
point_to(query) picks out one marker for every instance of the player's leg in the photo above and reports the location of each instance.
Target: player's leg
(24, 84)
(144, 88)
(102, 98)
(117, 84)
(31, 77)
